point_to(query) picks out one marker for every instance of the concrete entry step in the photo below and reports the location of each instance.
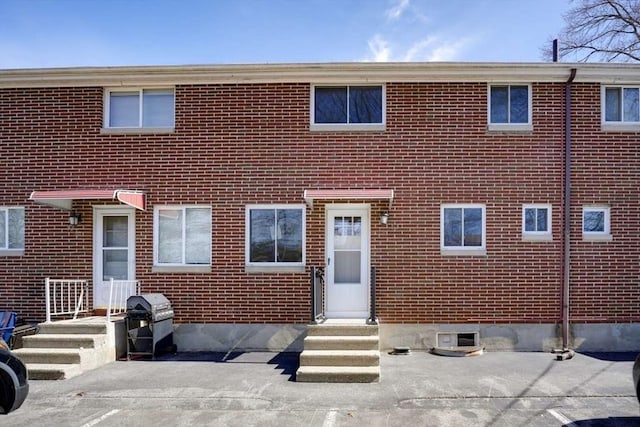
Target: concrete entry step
(340, 351)
(340, 358)
(52, 371)
(331, 342)
(48, 355)
(64, 340)
(89, 328)
(338, 374)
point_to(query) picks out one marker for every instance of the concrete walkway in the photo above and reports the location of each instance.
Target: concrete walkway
(192, 389)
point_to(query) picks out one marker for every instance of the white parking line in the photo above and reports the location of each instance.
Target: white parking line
(564, 420)
(330, 419)
(102, 418)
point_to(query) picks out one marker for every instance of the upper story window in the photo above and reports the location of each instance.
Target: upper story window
(462, 229)
(510, 107)
(348, 107)
(596, 223)
(621, 106)
(11, 231)
(182, 236)
(536, 222)
(139, 109)
(275, 236)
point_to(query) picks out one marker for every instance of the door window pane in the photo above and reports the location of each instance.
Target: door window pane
(116, 231)
(115, 264)
(347, 267)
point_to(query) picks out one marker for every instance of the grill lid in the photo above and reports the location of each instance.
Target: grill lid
(152, 303)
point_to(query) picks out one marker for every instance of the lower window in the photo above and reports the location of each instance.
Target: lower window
(596, 223)
(275, 235)
(462, 229)
(182, 236)
(11, 230)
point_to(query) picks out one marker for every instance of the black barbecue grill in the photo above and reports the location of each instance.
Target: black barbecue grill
(149, 325)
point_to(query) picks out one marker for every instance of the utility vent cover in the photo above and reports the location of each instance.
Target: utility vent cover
(457, 339)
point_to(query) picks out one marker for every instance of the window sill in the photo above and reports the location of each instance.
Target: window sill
(12, 252)
(597, 237)
(376, 127)
(507, 127)
(274, 269)
(620, 127)
(134, 131)
(181, 269)
(537, 238)
(463, 252)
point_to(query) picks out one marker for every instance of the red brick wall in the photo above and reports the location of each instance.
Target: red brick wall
(242, 144)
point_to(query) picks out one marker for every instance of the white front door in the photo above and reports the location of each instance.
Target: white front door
(114, 250)
(347, 261)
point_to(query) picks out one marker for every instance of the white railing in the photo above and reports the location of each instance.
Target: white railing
(65, 297)
(119, 292)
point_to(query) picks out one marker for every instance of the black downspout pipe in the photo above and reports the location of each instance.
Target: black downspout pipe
(565, 352)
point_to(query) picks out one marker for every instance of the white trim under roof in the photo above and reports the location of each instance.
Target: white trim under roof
(361, 194)
(346, 73)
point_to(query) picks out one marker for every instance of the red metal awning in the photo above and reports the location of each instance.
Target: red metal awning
(311, 195)
(63, 198)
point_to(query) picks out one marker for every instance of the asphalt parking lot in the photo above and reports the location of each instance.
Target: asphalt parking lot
(259, 389)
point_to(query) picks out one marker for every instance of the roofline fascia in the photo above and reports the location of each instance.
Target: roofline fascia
(347, 73)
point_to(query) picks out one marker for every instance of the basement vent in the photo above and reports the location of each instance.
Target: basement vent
(457, 339)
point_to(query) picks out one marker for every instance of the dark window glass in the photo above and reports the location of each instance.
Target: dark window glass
(631, 105)
(594, 221)
(289, 237)
(612, 105)
(453, 227)
(519, 97)
(472, 227)
(331, 105)
(542, 219)
(365, 104)
(499, 104)
(262, 235)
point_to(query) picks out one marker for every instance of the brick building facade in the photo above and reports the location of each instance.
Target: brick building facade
(467, 160)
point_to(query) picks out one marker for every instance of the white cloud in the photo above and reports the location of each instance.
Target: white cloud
(395, 12)
(429, 49)
(379, 48)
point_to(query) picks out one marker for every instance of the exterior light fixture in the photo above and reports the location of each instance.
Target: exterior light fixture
(384, 218)
(74, 218)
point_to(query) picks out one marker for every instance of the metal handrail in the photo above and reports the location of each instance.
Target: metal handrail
(317, 294)
(119, 292)
(65, 297)
(373, 317)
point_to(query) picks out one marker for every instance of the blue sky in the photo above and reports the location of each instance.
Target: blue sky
(63, 33)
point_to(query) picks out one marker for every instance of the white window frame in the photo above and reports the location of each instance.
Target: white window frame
(285, 267)
(537, 235)
(159, 267)
(347, 126)
(511, 127)
(619, 125)
(597, 236)
(463, 250)
(6, 250)
(140, 128)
